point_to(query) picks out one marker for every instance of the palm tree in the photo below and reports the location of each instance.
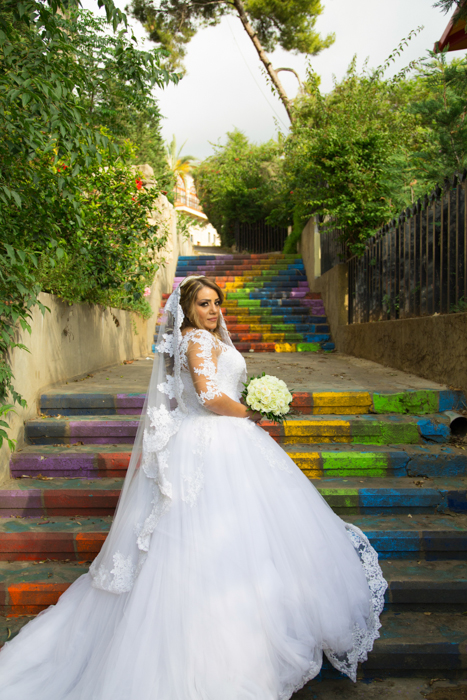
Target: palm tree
(179, 165)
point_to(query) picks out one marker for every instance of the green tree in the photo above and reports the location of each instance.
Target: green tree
(348, 153)
(44, 126)
(268, 23)
(441, 109)
(179, 165)
(240, 182)
(119, 89)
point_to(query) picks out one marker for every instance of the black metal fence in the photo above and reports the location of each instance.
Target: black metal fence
(417, 264)
(259, 237)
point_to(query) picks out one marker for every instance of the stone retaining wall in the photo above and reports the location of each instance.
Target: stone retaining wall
(70, 341)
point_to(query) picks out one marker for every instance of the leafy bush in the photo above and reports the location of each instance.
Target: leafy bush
(68, 220)
(240, 182)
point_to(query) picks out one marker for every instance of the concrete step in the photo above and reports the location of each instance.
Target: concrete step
(26, 588)
(235, 305)
(285, 337)
(430, 537)
(372, 495)
(271, 315)
(74, 461)
(411, 644)
(318, 461)
(363, 429)
(276, 347)
(277, 328)
(59, 496)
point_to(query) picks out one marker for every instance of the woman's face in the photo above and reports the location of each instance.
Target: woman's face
(208, 307)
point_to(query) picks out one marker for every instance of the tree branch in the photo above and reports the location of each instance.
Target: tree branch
(264, 58)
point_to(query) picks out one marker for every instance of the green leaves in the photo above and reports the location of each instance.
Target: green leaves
(71, 219)
(240, 182)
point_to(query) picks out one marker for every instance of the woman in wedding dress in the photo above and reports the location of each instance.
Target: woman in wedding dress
(225, 574)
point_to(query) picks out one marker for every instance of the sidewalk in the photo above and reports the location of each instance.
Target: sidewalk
(313, 372)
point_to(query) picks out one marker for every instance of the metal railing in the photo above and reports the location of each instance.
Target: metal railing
(416, 265)
(183, 199)
(259, 237)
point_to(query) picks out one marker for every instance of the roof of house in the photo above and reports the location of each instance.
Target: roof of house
(454, 36)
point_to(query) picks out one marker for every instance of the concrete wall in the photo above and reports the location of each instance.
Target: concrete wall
(433, 347)
(310, 250)
(71, 341)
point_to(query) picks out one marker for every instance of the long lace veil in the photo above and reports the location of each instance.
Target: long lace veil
(146, 493)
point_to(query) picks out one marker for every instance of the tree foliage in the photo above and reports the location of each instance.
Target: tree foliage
(240, 182)
(268, 23)
(54, 151)
(290, 25)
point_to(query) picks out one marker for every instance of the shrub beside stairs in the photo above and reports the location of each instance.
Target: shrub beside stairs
(383, 462)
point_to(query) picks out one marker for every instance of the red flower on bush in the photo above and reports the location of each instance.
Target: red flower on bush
(139, 184)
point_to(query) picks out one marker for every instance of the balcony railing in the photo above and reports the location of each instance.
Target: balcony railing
(186, 200)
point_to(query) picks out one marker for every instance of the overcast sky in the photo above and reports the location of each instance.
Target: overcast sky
(224, 87)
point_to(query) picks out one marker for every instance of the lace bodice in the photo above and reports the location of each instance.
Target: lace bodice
(216, 369)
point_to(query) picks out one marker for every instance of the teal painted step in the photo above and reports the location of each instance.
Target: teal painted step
(425, 585)
(429, 537)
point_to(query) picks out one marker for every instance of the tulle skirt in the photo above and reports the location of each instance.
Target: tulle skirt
(249, 579)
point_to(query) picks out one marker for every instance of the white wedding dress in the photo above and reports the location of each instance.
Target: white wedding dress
(249, 576)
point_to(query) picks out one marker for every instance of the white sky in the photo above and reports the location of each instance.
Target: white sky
(224, 87)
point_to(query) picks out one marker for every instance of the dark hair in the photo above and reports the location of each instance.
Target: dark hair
(188, 293)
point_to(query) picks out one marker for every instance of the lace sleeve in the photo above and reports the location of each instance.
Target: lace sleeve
(202, 352)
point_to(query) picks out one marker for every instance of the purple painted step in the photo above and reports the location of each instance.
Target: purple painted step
(54, 404)
(86, 431)
(84, 461)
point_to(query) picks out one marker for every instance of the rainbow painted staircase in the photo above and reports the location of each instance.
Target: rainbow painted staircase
(268, 305)
(385, 462)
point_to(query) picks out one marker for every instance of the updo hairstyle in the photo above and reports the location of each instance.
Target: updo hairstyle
(188, 293)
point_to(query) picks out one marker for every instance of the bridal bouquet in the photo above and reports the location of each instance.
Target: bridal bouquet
(268, 395)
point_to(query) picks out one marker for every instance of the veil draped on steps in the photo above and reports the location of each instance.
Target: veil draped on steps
(147, 493)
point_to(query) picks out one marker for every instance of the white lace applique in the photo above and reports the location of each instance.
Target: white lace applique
(122, 575)
(194, 482)
(168, 387)
(207, 344)
(276, 458)
(166, 344)
(163, 425)
(363, 639)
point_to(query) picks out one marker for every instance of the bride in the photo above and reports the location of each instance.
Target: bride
(225, 574)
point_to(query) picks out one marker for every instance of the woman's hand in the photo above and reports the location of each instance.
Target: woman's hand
(255, 416)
